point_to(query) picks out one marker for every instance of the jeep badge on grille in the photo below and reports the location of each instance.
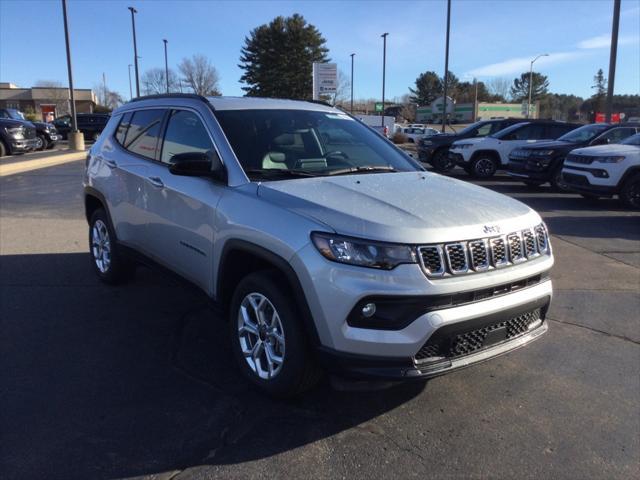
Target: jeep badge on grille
(491, 229)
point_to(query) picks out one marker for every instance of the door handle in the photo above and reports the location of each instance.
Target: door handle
(110, 163)
(156, 182)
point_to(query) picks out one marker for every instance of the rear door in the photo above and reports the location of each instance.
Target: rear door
(526, 135)
(182, 209)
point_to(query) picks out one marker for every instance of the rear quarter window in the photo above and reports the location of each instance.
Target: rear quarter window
(143, 132)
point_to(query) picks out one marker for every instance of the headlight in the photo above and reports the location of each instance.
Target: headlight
(363, 253)
(426, 142)
(612, 159)
(462, 145)
(16, 132)
(544, 153)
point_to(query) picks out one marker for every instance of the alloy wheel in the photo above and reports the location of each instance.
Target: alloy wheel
(261, 335)
(485, 167)
(101, 246)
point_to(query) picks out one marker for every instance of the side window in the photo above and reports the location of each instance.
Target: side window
(616, 135)
(555, 131)
(536, 132)
(185, 133)
(143, 132)
(484, 130)
(123, 126)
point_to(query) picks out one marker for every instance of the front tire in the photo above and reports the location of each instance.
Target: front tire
(3, 149)
(43, 143)
(111, 266)
(267, 338)
(484, 166)
(630, 192)
(441, 162)
(557, 183)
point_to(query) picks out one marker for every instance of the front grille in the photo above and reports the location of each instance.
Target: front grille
(457, 257)
(583, 159)
(483, 254)
(432, 260)
(478, 254)
(460, 343)
(29, 133)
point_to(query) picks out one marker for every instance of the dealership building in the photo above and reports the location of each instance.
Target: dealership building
(47, 103)
(471, 112)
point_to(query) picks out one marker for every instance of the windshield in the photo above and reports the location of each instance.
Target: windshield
(583, 134)
(13, 113)
(301, 143)
(471, 128)
(506, 131)
(632, 140)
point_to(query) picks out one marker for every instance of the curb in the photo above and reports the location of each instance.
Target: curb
(43, 162)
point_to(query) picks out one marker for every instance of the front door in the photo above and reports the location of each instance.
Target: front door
(182, 209)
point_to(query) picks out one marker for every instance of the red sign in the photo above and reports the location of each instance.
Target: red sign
(615, 117)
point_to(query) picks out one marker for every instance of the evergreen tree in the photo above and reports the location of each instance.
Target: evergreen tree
(277, 58)
(600, 87)
(520, 87)
(428, 88)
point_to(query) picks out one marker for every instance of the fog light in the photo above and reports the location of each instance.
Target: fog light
(369, 310)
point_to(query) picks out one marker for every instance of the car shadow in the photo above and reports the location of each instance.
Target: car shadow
(102, 382)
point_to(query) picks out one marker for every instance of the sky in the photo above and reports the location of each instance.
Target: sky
(488, 39)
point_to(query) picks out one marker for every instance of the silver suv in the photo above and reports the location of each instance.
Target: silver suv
(328, 247)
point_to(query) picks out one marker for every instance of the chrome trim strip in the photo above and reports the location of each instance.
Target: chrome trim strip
(438, 249)
(464, 252)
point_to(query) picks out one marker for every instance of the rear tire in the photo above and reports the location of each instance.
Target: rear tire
(267, 337)
(484, 166)
(108, 261)
(630, 192)
(441, 162)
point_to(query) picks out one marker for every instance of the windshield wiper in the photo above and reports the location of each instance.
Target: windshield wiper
(279, 172)
(365, 169)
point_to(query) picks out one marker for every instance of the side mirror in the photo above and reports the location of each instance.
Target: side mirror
(197, 164)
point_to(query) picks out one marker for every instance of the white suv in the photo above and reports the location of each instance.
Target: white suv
(482, 157)
(325, 244)
(606, 170)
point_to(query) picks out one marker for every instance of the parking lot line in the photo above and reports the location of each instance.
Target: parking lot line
(28, 165)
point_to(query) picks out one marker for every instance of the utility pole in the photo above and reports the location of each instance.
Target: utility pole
(76, 140)
(384, 66)
(135, 48)
(166, 64)
(446, 66)
(352, 55)
(531, 83)
(475, 100)
(130, 90)
(104, 89)
(612, 59)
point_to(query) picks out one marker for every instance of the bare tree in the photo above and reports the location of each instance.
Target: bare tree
(500, 87)
(343, 89)
(200, 75)
(57, 93)
(153, 81)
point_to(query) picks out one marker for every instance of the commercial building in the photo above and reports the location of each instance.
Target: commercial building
(470, 112)
(46, 103)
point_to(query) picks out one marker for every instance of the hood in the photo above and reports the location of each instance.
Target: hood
(602, 150)
(11, 123)
(551, 145)
(407, 207)
(473, 140)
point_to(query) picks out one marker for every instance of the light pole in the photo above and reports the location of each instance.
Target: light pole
(352, 55)
(446, 65)
(384, 66)
(130, 90)
(166, 65)
(135, 48)
(531, 82)
(612, 59)
(76, 140)
(475, 100)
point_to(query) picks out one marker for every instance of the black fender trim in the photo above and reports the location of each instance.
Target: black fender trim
(92, 192)
(631, 171)
(283, 266)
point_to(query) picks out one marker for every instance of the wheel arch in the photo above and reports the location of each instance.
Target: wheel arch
(94, 200)
(240, 258)
(627, 175)
(490, 153)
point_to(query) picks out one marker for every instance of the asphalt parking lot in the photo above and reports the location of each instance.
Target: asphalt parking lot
(136, 381)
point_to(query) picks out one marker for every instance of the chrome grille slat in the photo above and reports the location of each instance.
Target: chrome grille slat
(480, 255)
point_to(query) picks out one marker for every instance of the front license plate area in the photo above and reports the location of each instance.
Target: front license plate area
(495, 336)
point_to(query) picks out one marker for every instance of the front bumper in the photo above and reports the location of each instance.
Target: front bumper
(415, 367)
(580, 183)
(539, 169)
(26, 145)
(458, 159)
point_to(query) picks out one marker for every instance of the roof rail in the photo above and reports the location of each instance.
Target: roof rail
(170, 95)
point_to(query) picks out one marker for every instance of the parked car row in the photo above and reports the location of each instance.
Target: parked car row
(19, 135)
(541, 151)
(90, 124)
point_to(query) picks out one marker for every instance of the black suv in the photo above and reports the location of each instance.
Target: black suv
(45, 132)
(90, 124)
(17, 136)
(542, 162)
(435, 149)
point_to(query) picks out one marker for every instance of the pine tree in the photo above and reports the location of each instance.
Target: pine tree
(520, 87)
(277, 58)
(601, 91)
